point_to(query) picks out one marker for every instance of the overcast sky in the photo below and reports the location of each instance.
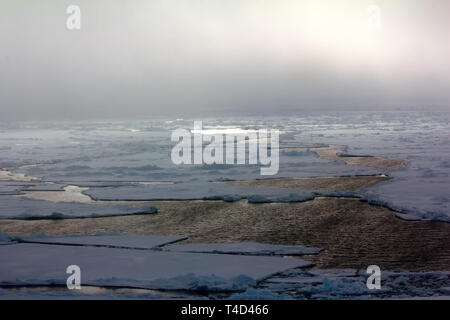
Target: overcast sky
(178, 58)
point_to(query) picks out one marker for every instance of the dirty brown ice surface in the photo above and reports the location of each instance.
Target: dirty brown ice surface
(349, 183)
(354, 234)
(336, 152)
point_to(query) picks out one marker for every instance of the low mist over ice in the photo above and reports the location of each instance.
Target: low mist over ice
(175, 58)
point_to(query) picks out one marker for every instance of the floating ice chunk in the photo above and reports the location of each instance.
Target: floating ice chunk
(5, 238)
(342, 286)
(211, 282)
(351, 284)
(22, 208)
(411, 200)
(244, 248)
(257, 198)
(40, 264)
(130, 241)
(331, 273)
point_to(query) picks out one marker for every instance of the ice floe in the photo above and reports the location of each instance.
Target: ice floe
(12, 207)
(9, 190)
(112, 158)
(130, 241)
(40, 264)
(351, 284)
(5, 238)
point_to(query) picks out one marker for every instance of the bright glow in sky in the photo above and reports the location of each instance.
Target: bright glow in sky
(177, 58)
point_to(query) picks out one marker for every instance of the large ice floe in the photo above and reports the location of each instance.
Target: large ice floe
(25, 264)
(111, 240)
(121, 266)
(22, 208)
(351, 284)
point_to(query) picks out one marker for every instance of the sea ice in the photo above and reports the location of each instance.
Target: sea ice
(109, 156)
(244, 248)
(40, 264)
(9, 190)
(5, 238)
(21, 208)
(130, 241)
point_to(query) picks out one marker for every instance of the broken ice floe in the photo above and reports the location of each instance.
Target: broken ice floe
(414, 197)
(130, 241)
(199, 191)
(5, 238)
(244, 248)
(45, 187)
(21, 208)
(114, 154)
(351, 284)
(40, 264)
